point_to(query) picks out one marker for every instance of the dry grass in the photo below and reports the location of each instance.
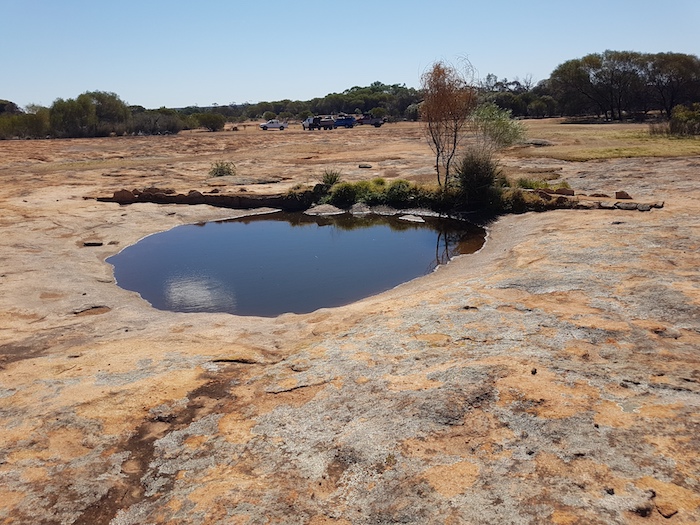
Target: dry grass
(582, 142)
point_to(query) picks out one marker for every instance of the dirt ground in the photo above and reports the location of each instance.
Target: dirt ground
(552, 377)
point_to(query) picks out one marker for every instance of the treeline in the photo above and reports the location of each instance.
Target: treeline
(395, 101)
(100, 114)
(614, 85)
(97, 114)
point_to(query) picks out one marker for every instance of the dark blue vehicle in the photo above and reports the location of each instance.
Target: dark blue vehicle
(344, 121)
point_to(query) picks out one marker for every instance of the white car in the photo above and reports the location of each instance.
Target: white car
(273, 124)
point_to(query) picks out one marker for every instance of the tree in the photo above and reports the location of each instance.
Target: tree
(211, 121)
(448, 100)
(674, 79)
(112, 113)
(73, 117)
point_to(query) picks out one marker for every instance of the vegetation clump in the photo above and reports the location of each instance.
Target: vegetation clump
(222, 169)
(398, 193)
(331, 177)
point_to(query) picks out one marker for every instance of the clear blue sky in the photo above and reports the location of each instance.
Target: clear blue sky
(177, 53)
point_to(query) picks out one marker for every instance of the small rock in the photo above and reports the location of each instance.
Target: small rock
(622, 195)
(626, 205)
(644, 207)
(564, 191)
(411, 218)
(92, 243)
(607, 205)
(659, 204)
(666, 509)
(537, 142)
(365, 166)
(600, 195)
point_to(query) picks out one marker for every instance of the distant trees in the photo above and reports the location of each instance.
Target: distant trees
(616, 84)
(613, 85)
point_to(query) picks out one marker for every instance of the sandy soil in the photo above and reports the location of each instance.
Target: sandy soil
(550, 378)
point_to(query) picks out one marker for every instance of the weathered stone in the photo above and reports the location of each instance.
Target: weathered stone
(411, 218)
(543, 195)
(392, 409)
(666, 508)
(600, 195)
(622, 195)
(564, 191)
(195, 197)
(365, 166)
(124, 197)
(626, 205)
(644, 207)
(607, 205)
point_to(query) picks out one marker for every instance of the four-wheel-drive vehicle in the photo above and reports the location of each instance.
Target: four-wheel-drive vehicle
(344, 121)
(318, 122)
(369, 119)
(273, 124)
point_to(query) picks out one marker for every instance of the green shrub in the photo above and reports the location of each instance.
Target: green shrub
(685, 120)
(331, 177)
(497, 125)
(399, 193)
(477, 171)
(343, 195)
(222, 169)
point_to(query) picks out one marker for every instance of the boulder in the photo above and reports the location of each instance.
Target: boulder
(124, 197)
(622, 195)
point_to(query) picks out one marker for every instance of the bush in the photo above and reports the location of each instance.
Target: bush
(685, 120)
(477, 172)
(343, 195)
(222, 169)
(399, 193)
(331, 177)
(498, 126)
(210, 121)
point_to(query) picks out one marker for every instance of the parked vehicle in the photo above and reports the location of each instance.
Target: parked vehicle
(318, 122)
(273, 124)
(369, 119)
(344, 121)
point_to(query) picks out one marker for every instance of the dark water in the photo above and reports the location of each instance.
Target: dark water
(286, 262)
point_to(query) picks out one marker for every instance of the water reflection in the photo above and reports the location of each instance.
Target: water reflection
(194, 293)
(271, 264)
